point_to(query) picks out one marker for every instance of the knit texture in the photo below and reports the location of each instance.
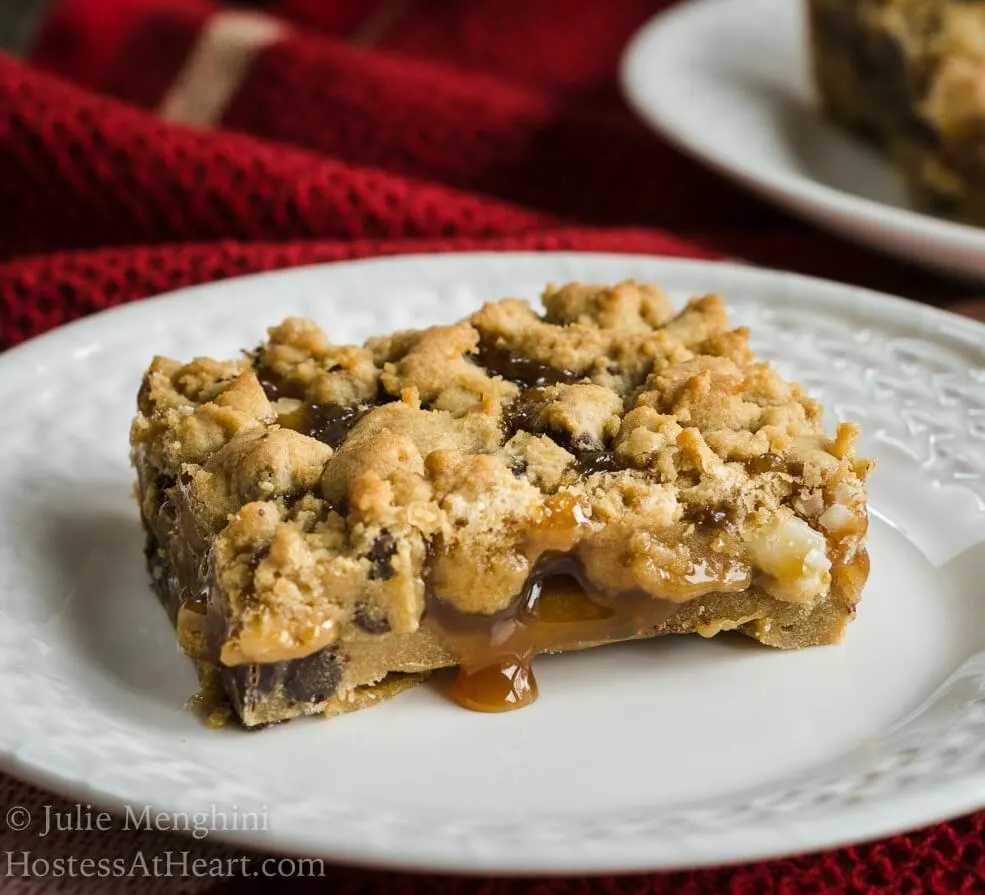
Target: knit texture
(147, 145)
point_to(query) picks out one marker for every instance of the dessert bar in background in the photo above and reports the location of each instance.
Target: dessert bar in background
(909, 75)
(327, 523)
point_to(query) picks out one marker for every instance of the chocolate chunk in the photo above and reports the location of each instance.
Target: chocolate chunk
(314, 678)
(599, 461)
(274, 387)
(247, 685)
(330, 423)
(883, 58)
(157, 565)
(271, 388)
(258, 556)
(518, 467)
(520, 414)
(143, 397)
(707, 516)
(370, 622)
(380, 554)
(310, 679)
(164, 482)
(525, 371)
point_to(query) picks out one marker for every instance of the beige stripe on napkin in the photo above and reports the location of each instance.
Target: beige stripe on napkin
(217, 66)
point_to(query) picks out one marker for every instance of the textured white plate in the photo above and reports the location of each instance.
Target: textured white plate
(659, 754)
(728, 82)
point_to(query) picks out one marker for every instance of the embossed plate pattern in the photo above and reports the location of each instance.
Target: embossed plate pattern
(650, 755)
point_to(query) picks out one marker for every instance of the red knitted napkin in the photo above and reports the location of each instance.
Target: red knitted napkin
(145, 145)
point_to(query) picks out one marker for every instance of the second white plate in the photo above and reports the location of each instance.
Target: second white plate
(728, 82)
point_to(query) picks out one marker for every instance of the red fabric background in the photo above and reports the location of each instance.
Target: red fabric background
(469, 124)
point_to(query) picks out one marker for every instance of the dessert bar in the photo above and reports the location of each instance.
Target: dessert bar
(909, 75)
(328, 523)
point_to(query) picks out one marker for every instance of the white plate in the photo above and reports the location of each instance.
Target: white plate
(651, 755)
(728, 82)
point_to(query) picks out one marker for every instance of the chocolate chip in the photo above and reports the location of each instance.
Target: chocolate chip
(382, 396)
(314, 678)
(270, 388)
(164, 482)
(143, 396)
(248, 685)
(270, 383)
(599, 461)
(518, 467)
(520, 414)
(157, 565)
(257, 557)
(380, 554)
(330, 423)
(310, 679)
(525, 371)
(274, 386)
(370, 622)
(707, 516)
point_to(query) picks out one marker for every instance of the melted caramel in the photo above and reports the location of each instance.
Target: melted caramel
(558, 609)
(502, 687)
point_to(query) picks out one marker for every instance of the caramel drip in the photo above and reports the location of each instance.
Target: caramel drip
(502, 687)
(558, 609)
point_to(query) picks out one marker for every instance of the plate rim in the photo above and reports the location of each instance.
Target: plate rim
(787, 189)
(960, 797)
(77, 327)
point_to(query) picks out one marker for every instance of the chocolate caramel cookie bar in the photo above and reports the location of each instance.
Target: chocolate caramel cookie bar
(327, 523)
(909, 75)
